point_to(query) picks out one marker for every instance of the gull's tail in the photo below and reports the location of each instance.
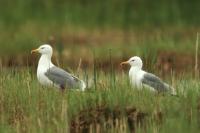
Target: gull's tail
(80, 84)
(173, 91)
(170, 89)
(87, 85)
(83, 85)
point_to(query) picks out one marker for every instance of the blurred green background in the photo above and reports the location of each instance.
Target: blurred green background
(164, 30)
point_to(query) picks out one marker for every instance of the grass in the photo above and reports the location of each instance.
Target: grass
(25, 106)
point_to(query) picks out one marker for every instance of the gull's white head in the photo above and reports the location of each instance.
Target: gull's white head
(44, 50)
(134, 61)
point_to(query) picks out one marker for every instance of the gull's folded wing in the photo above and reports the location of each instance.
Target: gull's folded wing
(155, 82)
(62, 78)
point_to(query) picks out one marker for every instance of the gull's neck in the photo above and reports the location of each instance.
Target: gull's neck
(136, 68)
(45, 62)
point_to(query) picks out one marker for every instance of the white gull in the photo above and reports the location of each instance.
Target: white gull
(140, 79)
(50, 75)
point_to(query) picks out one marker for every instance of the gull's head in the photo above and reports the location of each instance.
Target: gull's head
(134, 61)
(44, 50)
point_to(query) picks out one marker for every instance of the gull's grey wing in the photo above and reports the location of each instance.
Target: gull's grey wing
(155, 82)
(62, 78)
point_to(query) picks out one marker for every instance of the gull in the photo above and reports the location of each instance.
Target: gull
(50, 75)
(142, 79)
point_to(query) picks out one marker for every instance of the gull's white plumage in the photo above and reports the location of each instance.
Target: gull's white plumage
(50, 75)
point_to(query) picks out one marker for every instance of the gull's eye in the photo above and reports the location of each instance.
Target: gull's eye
(42, 48)
(132, 60)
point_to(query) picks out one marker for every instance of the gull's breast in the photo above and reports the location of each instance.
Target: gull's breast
(42, 77)
(135, 76)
